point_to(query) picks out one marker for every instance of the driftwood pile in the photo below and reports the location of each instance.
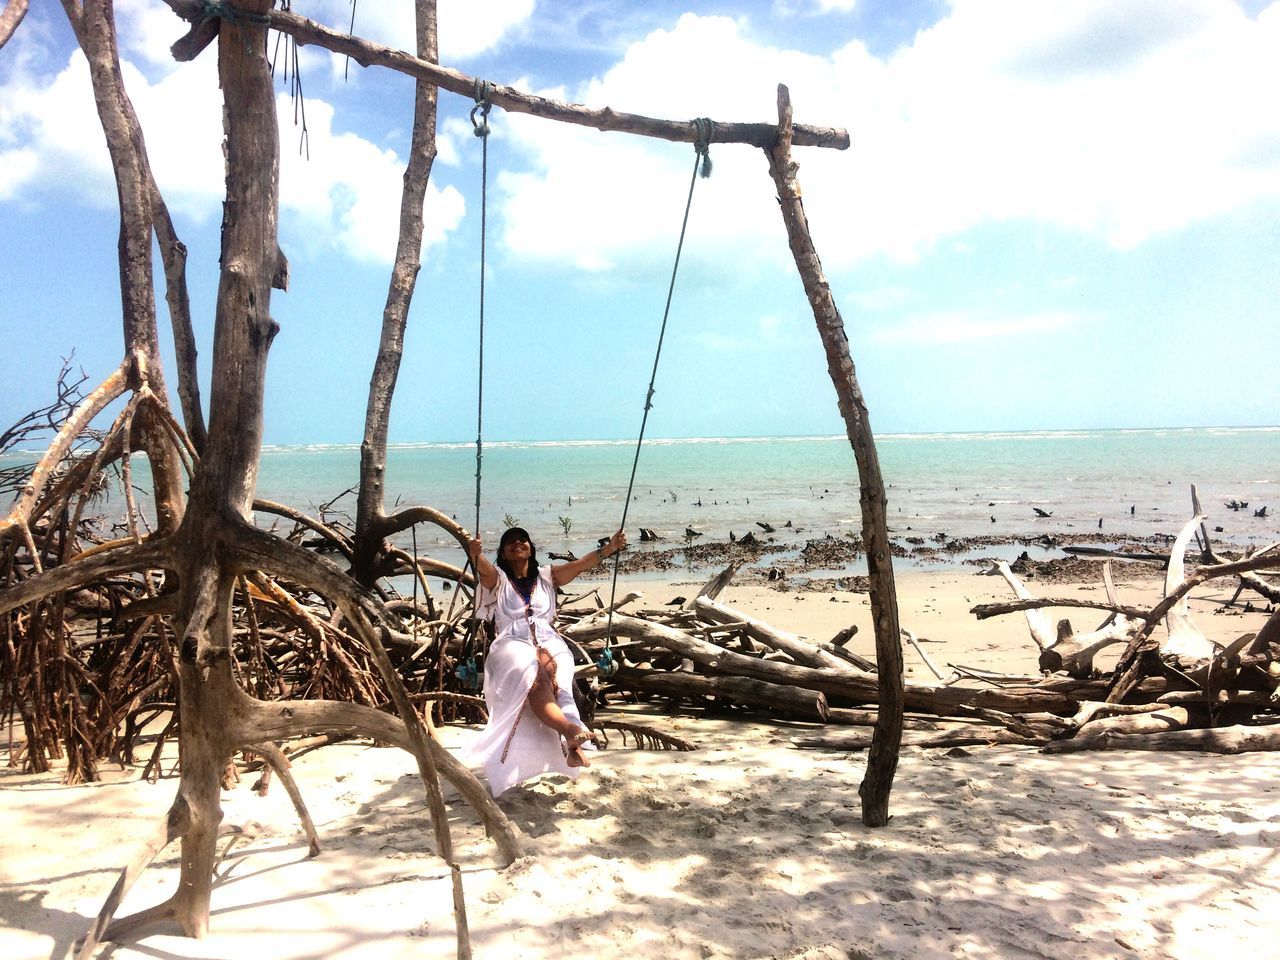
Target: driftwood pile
(90, 675)
(1206, 697)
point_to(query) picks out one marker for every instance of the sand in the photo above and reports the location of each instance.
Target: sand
(748, 847)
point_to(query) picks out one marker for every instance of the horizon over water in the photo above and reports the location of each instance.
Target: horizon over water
(757, 438)
(1135, 480)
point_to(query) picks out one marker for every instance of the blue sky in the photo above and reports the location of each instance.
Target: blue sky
(1053, 215)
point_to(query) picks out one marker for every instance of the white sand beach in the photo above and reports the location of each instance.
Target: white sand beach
(748, 847)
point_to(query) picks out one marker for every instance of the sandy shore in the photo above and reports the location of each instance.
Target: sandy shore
(748, 847)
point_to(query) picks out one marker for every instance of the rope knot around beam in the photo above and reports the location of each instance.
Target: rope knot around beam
(704, 130)
(221, 10)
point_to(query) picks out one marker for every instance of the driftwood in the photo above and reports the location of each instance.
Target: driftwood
(787, 701)
(1063, 650)
(713, 653)
(947, 738)
(1153, 721)
(1160, 558)
(799, 650)
(1211, 677)
(1238, 739)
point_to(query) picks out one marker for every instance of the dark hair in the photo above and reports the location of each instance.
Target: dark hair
(517, 533)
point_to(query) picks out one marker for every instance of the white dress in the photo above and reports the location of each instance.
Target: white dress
(510, 668)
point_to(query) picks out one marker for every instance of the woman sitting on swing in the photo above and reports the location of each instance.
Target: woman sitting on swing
(528, 669)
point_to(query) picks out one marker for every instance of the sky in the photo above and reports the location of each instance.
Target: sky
(1053, 215)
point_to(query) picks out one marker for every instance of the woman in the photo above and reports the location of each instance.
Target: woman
(528, 671)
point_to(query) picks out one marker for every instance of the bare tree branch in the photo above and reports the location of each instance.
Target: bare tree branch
(367, 54)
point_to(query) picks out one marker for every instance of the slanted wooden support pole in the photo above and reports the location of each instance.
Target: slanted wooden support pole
(10, 17)
(882, 761)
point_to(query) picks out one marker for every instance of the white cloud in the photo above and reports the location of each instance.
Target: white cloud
(882, 298)
(1117, 119)
(792, 8)
(964, 327)
(770, 331)
(465, 28)
(347, 195)
(349, 191)
(593, 198)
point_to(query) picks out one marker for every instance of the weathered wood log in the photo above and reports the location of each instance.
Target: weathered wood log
(948, 738)
(1128, 670)
(800, 650)
(1090, 709)
(715, 586)
(1037, 622)
(1185, 640)
(1074, 655)
(1239, 739)
(1060, 695)
(848, 656)
(915, 645)
(791, 701)
(1160, 558)
(853, 717)
(1219, 698)
(1154, 721)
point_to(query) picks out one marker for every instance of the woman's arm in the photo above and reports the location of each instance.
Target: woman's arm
(487, 571)
(564, 572)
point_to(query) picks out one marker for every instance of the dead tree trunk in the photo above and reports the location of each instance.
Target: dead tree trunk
(94, 26)
(222, 491)
(882, 761)
(370, 560)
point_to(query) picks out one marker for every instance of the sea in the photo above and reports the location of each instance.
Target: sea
(1111, 484)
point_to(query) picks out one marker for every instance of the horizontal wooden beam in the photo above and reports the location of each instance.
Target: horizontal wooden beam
(367, 54)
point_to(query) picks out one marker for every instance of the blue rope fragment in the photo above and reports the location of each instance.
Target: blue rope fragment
(606, 664)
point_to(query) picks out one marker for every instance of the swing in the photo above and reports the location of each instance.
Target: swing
(605, 664)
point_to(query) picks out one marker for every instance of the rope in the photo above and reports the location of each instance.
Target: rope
(467, 671)
(225, 11)
(481, 130)
(221, 10)
(704, 130)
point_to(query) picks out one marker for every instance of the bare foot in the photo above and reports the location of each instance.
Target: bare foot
(574, 755)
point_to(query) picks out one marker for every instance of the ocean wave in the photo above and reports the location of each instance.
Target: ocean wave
(889, 438)
(992, 435)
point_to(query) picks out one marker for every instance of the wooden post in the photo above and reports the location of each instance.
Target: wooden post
(371, 561)
(882, 761)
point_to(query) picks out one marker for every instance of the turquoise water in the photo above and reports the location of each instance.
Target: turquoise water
(937, 483)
